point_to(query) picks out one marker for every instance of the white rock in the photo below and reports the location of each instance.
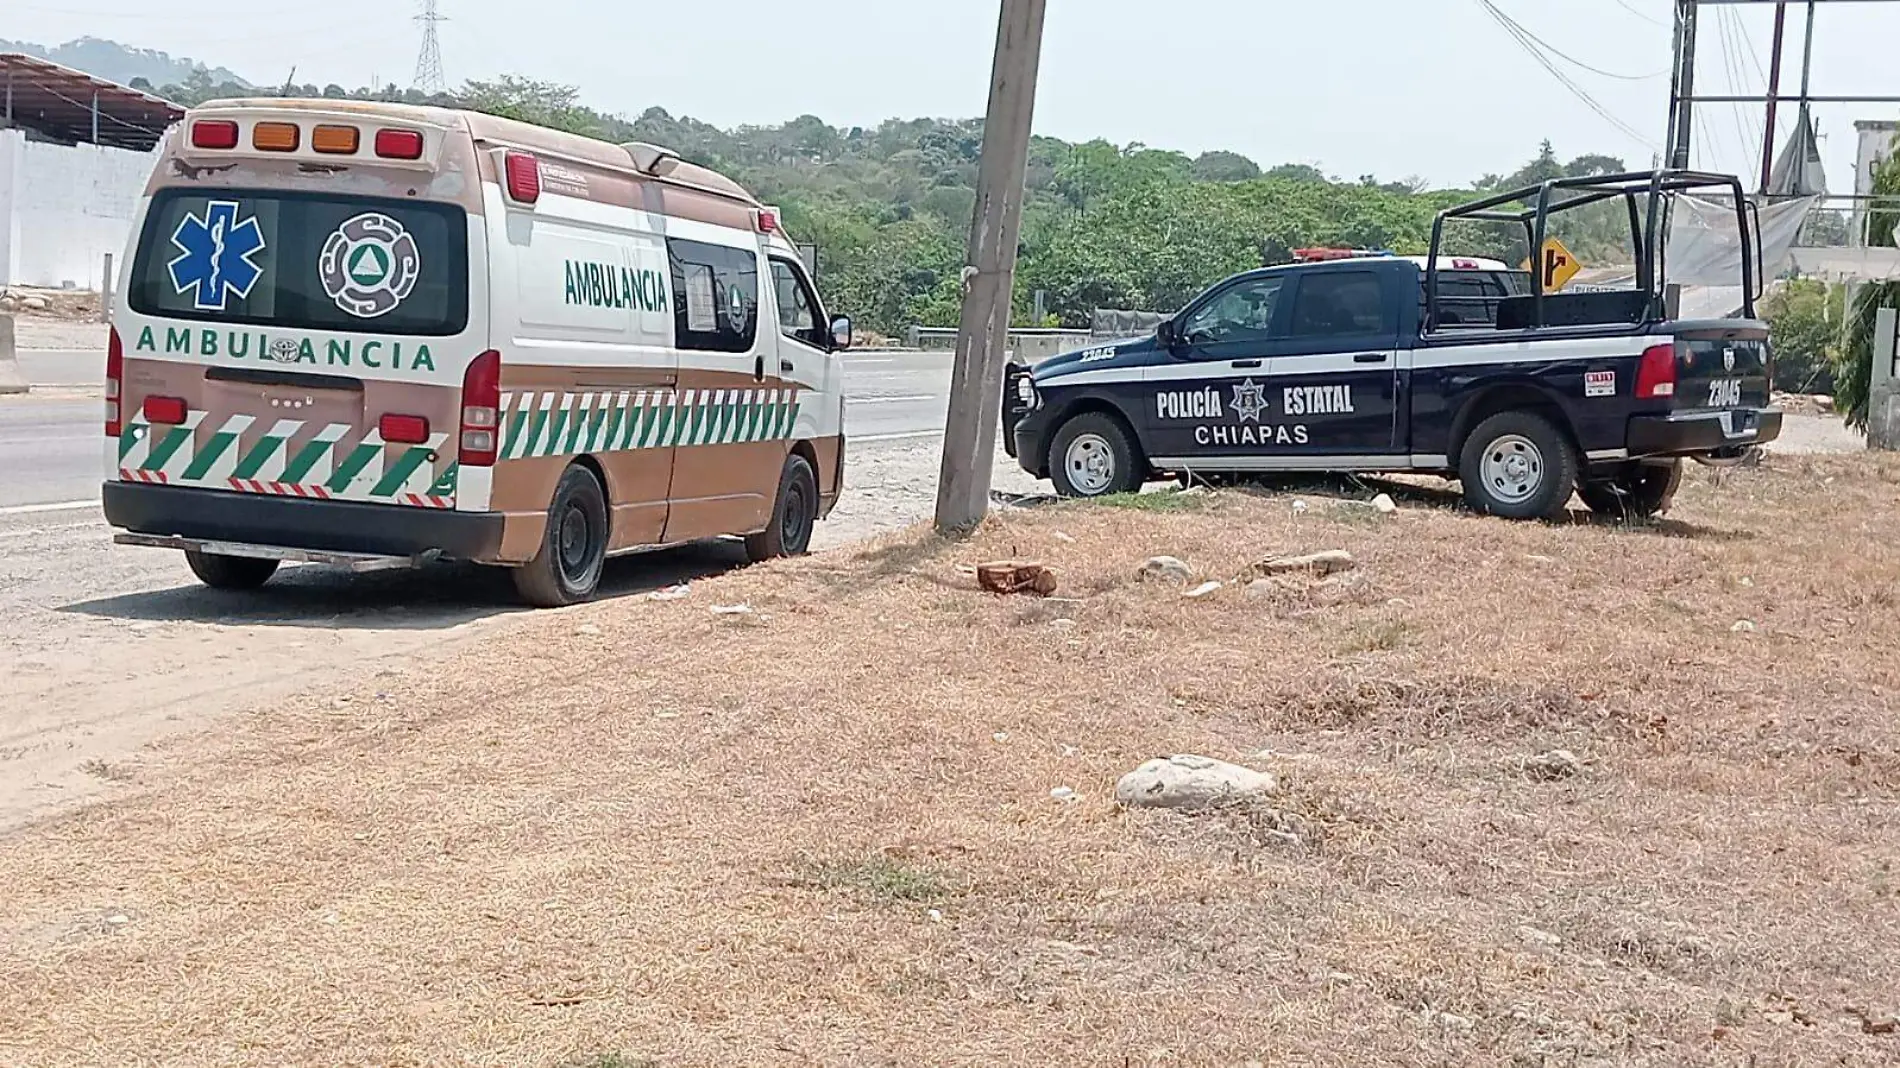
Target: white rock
(1539, 936)
(1743, 626)
(1190, 782)
(1066, 539)
(671, 593)
(936, 915)
(1062, 793)
(587, 630)
(38, 304)
(1451, 1021)
(732, 610)
(118, 919)
(1385, 505)
(1000, 737)
(1299, 507)
(1203, 590)
(1556, 764)
(1165, 569)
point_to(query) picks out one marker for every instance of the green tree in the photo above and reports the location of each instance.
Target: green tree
(1854, 365)
(1805, 319)
(1224, 167)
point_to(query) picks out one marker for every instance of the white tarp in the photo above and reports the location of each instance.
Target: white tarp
(1705, 248)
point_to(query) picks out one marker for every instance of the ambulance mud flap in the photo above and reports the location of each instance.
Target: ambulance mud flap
(356, 562)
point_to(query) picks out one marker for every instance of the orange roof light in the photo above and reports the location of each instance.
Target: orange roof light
(335, 140)
(276, 137)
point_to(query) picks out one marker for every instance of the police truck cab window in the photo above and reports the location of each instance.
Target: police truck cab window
(1243, 313)
(1338, 304)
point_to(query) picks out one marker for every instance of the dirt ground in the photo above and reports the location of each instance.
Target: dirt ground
(881, 830)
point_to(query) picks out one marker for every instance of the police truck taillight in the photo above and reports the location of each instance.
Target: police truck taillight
(115, 375)
(1656, 375)
(481, 410)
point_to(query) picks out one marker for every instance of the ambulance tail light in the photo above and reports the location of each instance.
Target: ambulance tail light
(1656, 375)
(481, 411)
(168, 411)
(399, 144)
(403, 429)
(768, 220)
(214, 133)
(115, 375)
(521, 174)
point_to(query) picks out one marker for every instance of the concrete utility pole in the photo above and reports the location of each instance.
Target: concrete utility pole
(969, 440)
(1682, 91)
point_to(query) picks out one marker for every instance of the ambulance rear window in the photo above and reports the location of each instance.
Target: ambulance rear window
(304, 262)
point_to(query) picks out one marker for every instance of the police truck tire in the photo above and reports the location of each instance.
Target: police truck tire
(1518, 465)
(1092, 456)
(230, 572)
(793, 515)
(567, 568)
(1639, 491)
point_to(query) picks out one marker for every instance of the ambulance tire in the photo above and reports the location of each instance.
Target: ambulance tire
(230, 572)
(1099, 444)
(567, 568)
(1518, 465)
(794, 515)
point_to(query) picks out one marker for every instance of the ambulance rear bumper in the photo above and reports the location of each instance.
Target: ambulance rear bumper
(294, 523)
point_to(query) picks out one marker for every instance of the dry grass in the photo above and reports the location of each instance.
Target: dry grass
(825, 834)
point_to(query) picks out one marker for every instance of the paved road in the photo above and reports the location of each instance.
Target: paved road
(50, 444)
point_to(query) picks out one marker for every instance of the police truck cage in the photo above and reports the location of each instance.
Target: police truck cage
(1648, 197)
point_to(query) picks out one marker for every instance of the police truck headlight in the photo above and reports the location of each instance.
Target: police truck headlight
(1026, 391)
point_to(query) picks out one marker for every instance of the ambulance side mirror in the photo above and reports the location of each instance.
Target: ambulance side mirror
(841, 333)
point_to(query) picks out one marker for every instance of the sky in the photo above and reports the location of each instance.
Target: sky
(1430, 88)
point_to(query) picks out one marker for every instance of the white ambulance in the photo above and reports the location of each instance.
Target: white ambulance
(370, 334)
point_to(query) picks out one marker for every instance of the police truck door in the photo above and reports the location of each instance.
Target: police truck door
(1335, 379)
(1206, 405)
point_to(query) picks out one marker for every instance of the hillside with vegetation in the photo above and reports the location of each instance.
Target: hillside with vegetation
(1105, 226)
(121, 63)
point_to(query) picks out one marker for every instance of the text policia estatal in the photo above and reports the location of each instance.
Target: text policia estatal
(1246, 407)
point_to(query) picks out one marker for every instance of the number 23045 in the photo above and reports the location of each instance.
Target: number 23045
(1725, 393)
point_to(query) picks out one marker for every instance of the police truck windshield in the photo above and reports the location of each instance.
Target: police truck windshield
(304, 262)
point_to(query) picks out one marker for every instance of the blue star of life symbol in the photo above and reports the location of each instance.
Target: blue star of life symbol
(216, 253)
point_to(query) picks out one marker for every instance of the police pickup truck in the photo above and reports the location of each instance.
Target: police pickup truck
(1361, 364)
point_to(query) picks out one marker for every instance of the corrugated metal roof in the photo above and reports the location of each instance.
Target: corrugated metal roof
(71, 105)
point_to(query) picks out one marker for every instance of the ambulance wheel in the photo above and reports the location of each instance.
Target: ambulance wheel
(793, 516)
(1518, 465)
(1091, 456)
(566, 570)
(230, 572)
(1636, 492)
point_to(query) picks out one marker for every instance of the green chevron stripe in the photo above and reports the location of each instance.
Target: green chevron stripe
(398, 476)
(202, 463)
(306, 459)
(516, 422)
(260, 454)
(164, 450)
(347, 471)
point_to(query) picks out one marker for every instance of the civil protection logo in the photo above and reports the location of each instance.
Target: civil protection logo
(370, 265)
(216, 256)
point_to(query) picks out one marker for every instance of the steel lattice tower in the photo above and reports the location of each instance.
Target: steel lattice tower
(429, 60)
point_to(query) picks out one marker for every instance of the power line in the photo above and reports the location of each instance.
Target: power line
(1529, 44)
(429, 61)
(1652, 20)
(1518, 29)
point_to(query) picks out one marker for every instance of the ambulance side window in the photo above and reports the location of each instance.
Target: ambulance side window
(1244, 312)
(799, 313)
(715, 296)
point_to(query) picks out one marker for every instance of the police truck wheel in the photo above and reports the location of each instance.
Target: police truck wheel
(793, 517)
(1638, 491)
(1091, 456)
(1518, 465)
(573, 550)
(230, 572)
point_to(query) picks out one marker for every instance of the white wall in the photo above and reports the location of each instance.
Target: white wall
(63, 208)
